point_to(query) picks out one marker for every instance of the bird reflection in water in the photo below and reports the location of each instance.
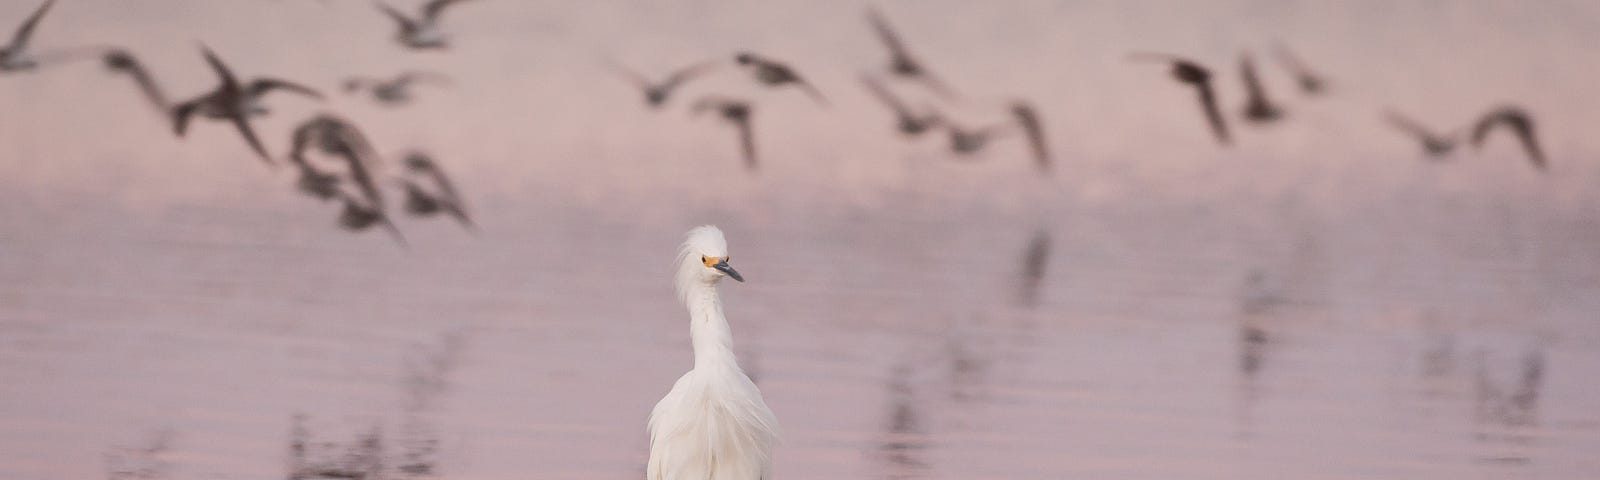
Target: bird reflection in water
(904, 437)
(1035, 261)
(144, 461)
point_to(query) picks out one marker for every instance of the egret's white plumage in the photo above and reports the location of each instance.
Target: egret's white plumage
(713, 425)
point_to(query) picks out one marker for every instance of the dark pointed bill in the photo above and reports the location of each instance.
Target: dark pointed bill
(722, 266)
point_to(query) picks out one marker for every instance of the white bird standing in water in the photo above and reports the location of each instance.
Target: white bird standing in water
(713, 425)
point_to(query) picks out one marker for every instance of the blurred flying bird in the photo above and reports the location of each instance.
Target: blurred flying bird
(1257, 108)
(234, 102)
(713, 424)
(1035, 261)
(395, 90)
(15, 57)
(901, 62)
(966, 140)
(1311, 83)
(910, 124)
(358, 215)
(421, 32)
(1520, 123)
(773, 74)
(736, 112)
(335, 136)
(657, 93)
(1028, 119)
(1199, 77)
(1434, 144)
(123, 61)
(429, 192)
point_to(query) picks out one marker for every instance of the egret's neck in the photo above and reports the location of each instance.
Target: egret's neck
(708, 329)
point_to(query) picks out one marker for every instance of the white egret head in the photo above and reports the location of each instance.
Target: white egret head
(703, 260)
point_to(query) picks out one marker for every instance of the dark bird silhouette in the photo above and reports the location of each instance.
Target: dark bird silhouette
(14, 57)
(910, 124)
(774, 74)
(1311, 83)
(901, 62)
(1028, 119)
(123, 62)
(736, 112)
(1257, 107)
(395, 90)
(234, 102)
(429, 192)
(657, 93)
(1436, 145)
(421, 32)
(337, 137)
(1199, 77)
(1520, 123)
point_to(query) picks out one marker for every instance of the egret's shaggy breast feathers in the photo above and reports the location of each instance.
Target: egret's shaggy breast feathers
(713, 425)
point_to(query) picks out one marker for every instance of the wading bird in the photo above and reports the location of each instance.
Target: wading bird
(774, 74)
(396, 90)
(422, 32)
(736, 112)
(234, 102)
(1520, 123)
(657, 93)
(713, 424)
(1190, 73)
(1436, 145)
(901, 62)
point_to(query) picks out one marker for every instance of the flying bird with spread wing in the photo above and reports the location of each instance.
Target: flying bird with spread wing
(901, 62)
(772, 73)
(1519, 122)
(421, 32)
(1193, 74)
(656, 93)
(234, 101)
(736, 112)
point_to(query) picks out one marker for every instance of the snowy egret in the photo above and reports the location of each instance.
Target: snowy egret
(713, 425)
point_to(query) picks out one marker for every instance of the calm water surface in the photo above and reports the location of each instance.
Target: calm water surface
(1318, 302)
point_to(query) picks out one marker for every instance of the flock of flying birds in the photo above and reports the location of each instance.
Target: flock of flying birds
(347, 169)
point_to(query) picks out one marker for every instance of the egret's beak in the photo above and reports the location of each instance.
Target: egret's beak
(722, 266)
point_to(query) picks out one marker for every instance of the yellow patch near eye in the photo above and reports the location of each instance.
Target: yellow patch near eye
(709, 261)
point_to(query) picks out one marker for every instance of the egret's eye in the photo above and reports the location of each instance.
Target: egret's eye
(709, 262)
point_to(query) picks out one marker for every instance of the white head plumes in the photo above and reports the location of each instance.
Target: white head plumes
(713, 424)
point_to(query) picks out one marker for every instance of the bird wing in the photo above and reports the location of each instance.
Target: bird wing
(181, 114)
(809, 88)
(631, 75)
(1208, 101)
(413, 76)
(398, 16)
(747, 143)
(687, 73)
(1409, 126)
(243, 124)
(1031, 126)
(432, 10)
(1530, 142)
(353, 84)
(124, 61)
(263, 85)
(1247, 73)
(883, 94)
(20, 39)
(229, 82)
(885, 33)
